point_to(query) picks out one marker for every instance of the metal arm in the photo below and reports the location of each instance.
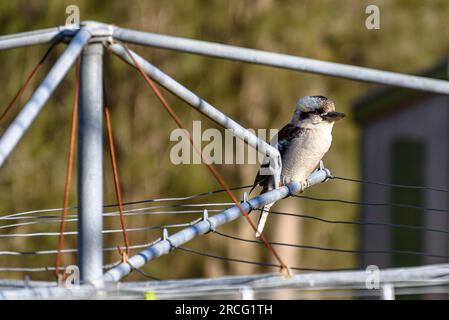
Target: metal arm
(205, 108)
(32, 108)
(30, 38)
(279, 60)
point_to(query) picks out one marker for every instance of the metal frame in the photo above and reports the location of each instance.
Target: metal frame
(411, 280)
(89, 38)
(31, 38)
(279, 60)
(37, 101)
(90, 164)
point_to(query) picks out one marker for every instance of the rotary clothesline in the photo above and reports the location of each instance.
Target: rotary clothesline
(92, 31)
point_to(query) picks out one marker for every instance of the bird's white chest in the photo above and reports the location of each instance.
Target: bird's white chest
(305, 152)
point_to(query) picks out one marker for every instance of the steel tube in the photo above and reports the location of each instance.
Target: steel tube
(49, 292)
(30, 38)
(279, 60)
(34, 105)
(177, 239)
(411, 277)
(90, 165)
(202, 106)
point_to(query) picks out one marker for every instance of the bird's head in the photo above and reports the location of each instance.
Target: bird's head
(314, 110)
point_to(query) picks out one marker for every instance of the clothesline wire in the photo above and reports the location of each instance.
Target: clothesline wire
(146, 211)
(129, 203)
(262, 264)
(384, 204)
(360, 223)
(46, 252)
(392, 185)
(248, 186)
(135, 211)
(107, 231)
(143, 212)
(339, 250)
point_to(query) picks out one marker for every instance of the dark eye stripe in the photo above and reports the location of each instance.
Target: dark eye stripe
(303, 115)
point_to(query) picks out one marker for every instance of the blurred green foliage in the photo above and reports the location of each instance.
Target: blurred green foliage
(413, 35)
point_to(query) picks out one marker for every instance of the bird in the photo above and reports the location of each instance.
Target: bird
(302, 143)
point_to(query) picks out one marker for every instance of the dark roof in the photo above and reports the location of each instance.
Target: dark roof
(382, 101)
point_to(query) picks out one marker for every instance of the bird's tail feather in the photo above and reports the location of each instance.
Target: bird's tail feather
(263, 218)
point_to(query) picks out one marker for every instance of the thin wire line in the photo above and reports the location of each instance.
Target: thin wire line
(302, 246)
(74, 220)
(146, 275)
(19, 215)
(386, 204)
(136, 202)
(219, 233)
(234, 188)
(69, 166)
(118, 192)
(134, 212)
(72, 250)
(380, 224)
(141, 272)
(141, 212)
(390, 184)
(221, 191)
(16, 216)
(180, 198)
(263, 264)
(27, 81)
(109, 231)
(45, 269)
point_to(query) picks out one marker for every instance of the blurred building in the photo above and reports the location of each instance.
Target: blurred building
(404, 140)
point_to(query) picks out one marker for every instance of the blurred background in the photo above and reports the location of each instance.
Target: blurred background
(390, 135)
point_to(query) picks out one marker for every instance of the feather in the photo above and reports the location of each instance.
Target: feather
(282, 139)
(263, 218)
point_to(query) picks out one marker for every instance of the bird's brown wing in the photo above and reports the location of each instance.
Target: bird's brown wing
(260, 179)
(284, 137)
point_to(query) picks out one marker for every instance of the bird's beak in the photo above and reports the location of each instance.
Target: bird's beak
(333, 116)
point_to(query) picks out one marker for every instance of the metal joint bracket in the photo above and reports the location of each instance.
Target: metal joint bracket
(323, 174)
(328, 173)
(165, 237)
(66, 33)
(298, 190)
(206, 218)
(246, 200)
(101, 32)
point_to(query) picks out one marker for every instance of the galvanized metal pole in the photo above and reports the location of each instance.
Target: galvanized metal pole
(90, 165)
(32, 108)
(31, 38)
(424, 277)
(223, 51)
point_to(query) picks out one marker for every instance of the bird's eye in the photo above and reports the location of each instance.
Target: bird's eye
(304, 115)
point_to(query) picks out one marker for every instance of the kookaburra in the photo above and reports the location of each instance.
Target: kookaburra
(302, 143)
